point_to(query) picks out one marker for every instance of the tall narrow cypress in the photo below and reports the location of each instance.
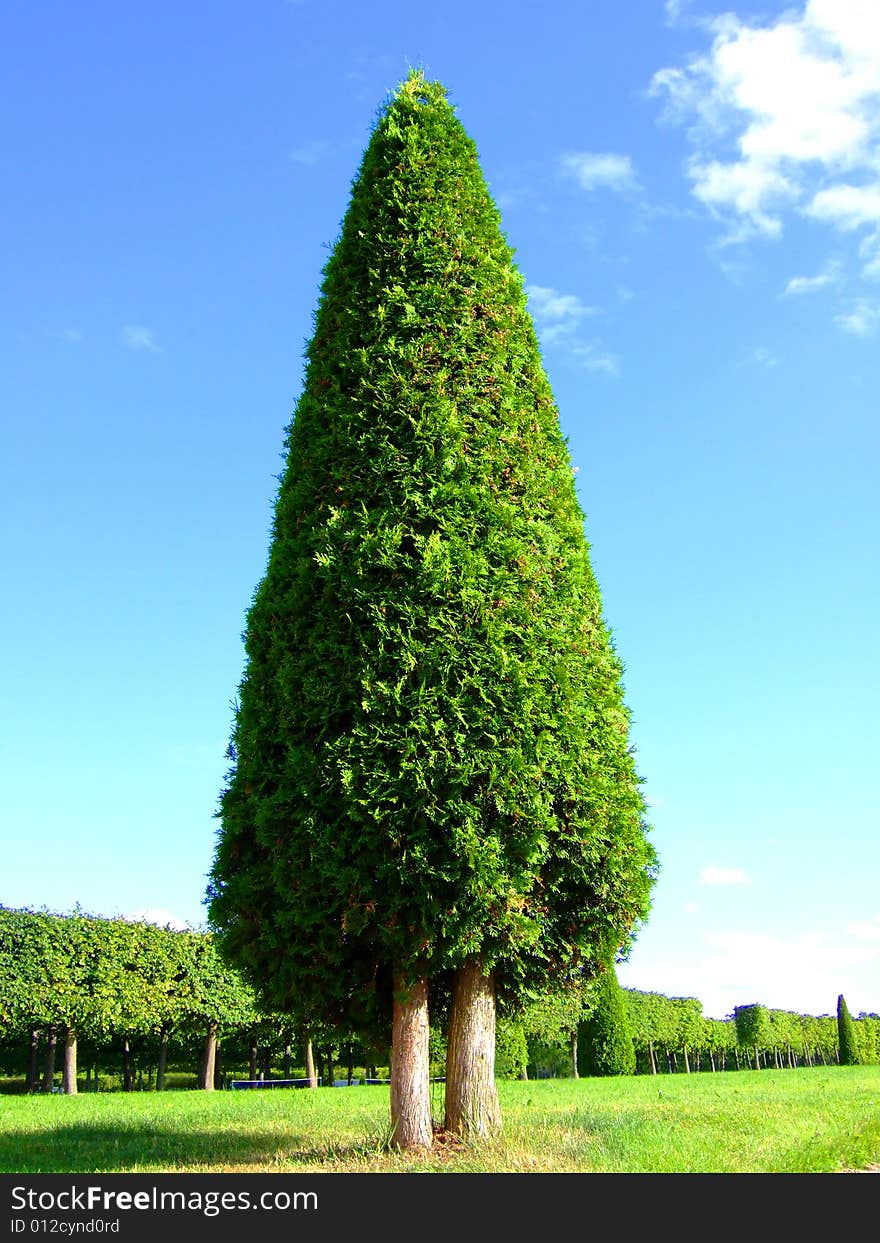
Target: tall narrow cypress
(431, 790)
(847, 1044)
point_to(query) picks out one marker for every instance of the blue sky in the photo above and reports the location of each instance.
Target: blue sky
(693, 193)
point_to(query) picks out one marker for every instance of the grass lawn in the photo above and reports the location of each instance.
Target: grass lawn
(792, 1121)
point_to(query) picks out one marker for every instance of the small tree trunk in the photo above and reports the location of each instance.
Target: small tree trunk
(208, 1061)
(252, 1064)
(311, 1073)
(266, 1065)
(524, 1072)
(33, 1062)
(712, 1061)
(163, 1058)
(651, 1055)
(319, 1063)
(573, 1052)
(218, 1065)
(687, 1065)
(49, 1065)
(126, 1064)
(328, 1065)
(411, 1127)
(472, 1108)
(68, 1075)
(350, 1064)
(287, 1059)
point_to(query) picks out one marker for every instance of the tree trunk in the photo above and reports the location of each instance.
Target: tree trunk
(311, 1074)
(573, 1050)
(524, 1073)
(49, 1067)
(319, 1063)
(68, 1075)
(163, 1059)
(287, 1058)
(651, 1054)
(33, 1062)
(206, 1078)
(218, 1065)
(411, 1127)
(350, 1064)
(126, 1064)
(472, 1108)
(687, 1065)
(329, 1069)
(252, 1064)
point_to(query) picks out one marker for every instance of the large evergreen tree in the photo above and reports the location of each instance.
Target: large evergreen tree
(431, 785)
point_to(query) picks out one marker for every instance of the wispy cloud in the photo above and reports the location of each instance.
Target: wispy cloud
(861, 319)
(782, 116)
(310, 153)
(601, 170)
(723, 876)
(558, 319)
(72, 335)
(593, 356)
(764, 357)
(799, 285)
(136, 337)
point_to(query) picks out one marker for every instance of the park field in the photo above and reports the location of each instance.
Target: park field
(821, 1120)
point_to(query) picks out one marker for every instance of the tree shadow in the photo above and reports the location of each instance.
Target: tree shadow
(88, 1147)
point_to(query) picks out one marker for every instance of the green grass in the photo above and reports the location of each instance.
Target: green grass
(794, 1121)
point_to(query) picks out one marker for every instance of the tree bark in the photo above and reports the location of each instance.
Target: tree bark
(126, 1064)
(49, 1066)
(68, 1075)
(328, 1065)
(411, 1127)
(209, 1059)
(653, 1060)
(573, 1048)
(252, 1064)
(33, 1059)
(472, 1108)
(163, 1059)
(311, 1073)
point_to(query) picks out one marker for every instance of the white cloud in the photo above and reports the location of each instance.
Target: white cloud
(764, 357)
(860, 320)
(723, 876)
(784, 116)
(596, 170)
(848, 207)
(594, 357)
(136, 337)
(549, 304)
(158, 916)
(810, 284)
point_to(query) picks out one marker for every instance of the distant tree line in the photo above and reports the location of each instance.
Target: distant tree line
(99, 1002)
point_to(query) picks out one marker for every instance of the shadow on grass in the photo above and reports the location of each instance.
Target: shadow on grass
(94, 1148)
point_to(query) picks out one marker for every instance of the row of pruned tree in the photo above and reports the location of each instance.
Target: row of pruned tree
(65, 980)
(672, 1034)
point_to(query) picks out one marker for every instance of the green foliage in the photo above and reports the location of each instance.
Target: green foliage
(511, 1050)
(847, 1041)
(430, 756)
(605, 1044)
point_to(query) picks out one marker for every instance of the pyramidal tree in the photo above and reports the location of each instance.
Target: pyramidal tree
(431, 799)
